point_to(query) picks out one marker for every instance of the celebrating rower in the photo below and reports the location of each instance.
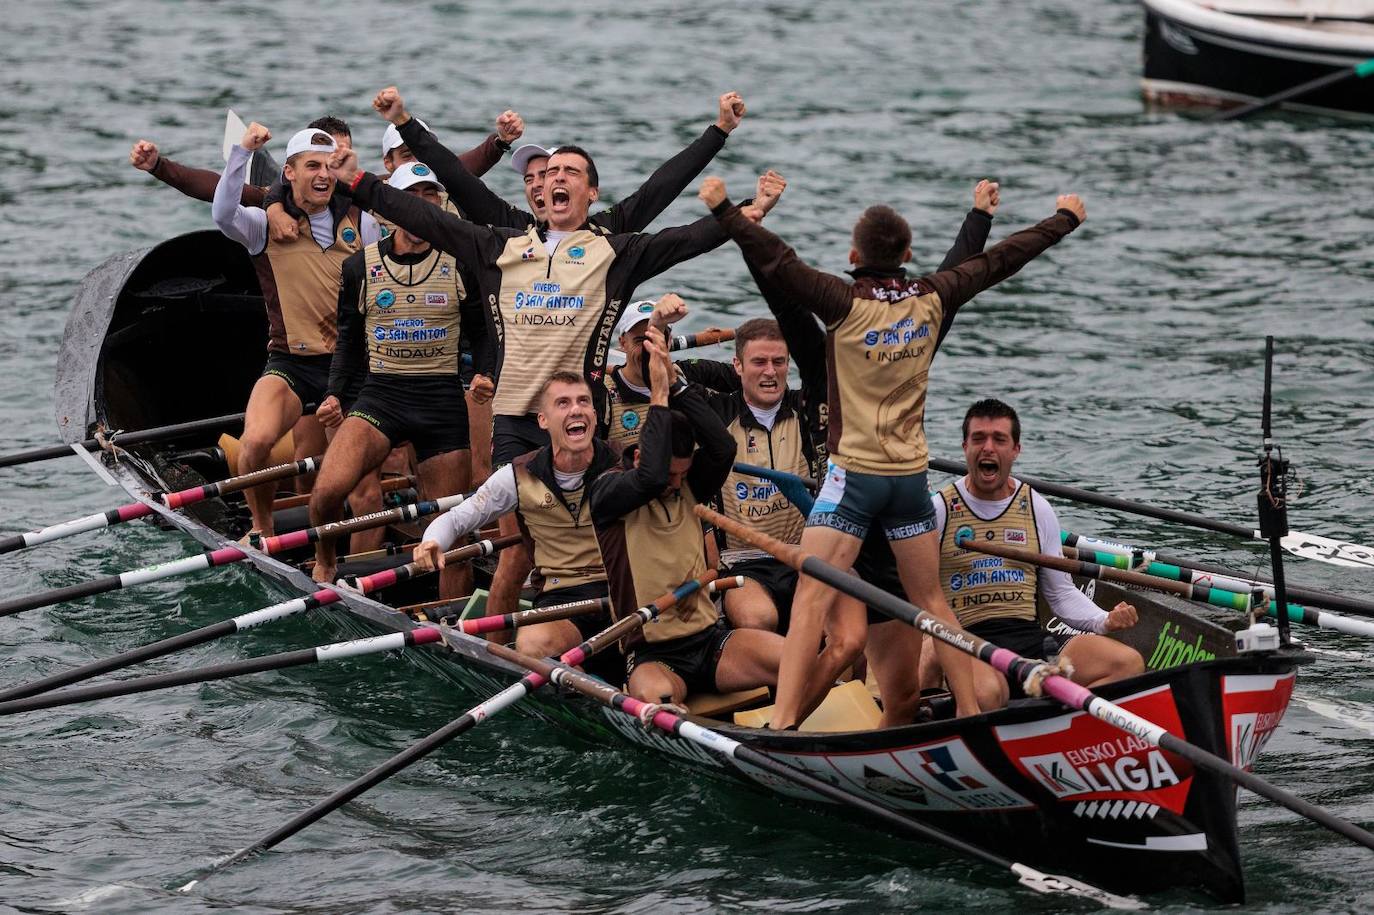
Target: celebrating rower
(651, 541)
(300, 280)
(554, 293)
(546, 492)
(882, 328)
(995, 599)
(399, 326)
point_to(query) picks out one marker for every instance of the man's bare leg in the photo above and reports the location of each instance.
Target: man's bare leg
(751, 607)
(356, 451)
(894, 652)
(1097, 659)
(797, 683)
(547, 640)
(479, 433)
(308, 438)
(749, 660)
(448, 474)
(654, 682)
(918, 564)
(364, 499)
(272, 409)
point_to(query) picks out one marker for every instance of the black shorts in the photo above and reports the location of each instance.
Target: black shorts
(877, 566)
(588, 624)
(308, 376)
(428, 411)
(693, 657)
(777, 578)
(1024, 637)
(512, 436)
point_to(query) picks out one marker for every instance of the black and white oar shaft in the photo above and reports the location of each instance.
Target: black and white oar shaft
(722, 745)
(122, 580)
(339, 650)
(707, 337)
(1020, 670)
(387, 577)
(296, 539)
(484, 624)
(465, 722)
(135, 510)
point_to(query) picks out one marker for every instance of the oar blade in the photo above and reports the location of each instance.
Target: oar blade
(1054, 883)
(1325, 549)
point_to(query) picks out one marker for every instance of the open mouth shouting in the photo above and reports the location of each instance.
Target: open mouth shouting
(560, 199)
(988, 471)
(577, 431)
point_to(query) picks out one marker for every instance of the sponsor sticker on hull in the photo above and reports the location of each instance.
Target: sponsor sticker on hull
(1253, 706)
(942, 775)
(1079, 759)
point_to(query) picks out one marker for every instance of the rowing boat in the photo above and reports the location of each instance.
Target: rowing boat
(1050, 786)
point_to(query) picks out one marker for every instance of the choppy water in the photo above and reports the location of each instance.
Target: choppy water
(1132, 350)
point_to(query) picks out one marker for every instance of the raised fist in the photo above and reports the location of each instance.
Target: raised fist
(144, 156)
(668, 310)
(343, 166)
(1074, 204)
(769, 190)
(390, 105)
(731, 111)
(986, 196)
(509, 126)
(712, 192)
(255, 137)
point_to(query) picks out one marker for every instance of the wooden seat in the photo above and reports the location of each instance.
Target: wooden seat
(716, 705)
(847, 707)
(282, 452)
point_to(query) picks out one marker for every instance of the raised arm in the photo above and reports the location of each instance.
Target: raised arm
(471, 244)
(350, 350)
(617, 493)
(198, 183)
(715, 455)
(666, 184)
(245, 225)
(494, 498)
(827, 297)
(959, 284)
(973, 233)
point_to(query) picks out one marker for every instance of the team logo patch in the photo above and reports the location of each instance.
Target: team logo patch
(374, 272)
(527, 254)
(741, 491)
(871, 337)
(630, 420)
(349, 236)
(410, 298)
(1015, 535)
(418, 169)
(963, 533)
(990, 535)
(436, 298)
(444, 270)
(576, 251)
(386, 298)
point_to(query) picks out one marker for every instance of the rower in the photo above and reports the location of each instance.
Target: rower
(554, 293)
(545, 492)
(991, 504)
(399, 325)
(882, 327)
(633, 214)
(300, 280)
(200, 182)
(651, 542)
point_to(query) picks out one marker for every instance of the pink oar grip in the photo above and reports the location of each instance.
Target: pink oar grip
(286, 542)
(135, 510)
(382, 579)
(426, 634)
(486, 624)
(228, 554)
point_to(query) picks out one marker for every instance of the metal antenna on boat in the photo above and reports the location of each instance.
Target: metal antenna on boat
(1273, 495)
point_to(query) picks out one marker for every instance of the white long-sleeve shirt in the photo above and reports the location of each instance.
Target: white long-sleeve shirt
(492, 499)
(1068, 603)
(248, 225)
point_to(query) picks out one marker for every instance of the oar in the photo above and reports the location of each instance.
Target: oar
(1308, 546)
(498, 622)
(122, 580)
(268, 545)
(1086, 563)
(721, 745)
(421, 636)
(1185, 569)
(465, 722)
(707, 337)
(321, 598)
(1022, 670)
(172, 500)
(155, 434)
(391, 484)
(798, 490)
(1358, 71)
(283, 542)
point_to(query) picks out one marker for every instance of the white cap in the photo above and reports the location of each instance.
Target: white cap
(392, 138)
(520, 159)
(411, 174)
(633, 315)
(311, 139)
